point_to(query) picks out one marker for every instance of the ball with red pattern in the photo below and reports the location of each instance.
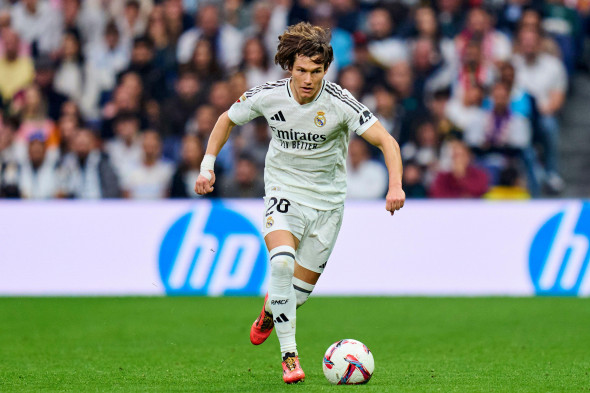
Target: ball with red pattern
(348, 362)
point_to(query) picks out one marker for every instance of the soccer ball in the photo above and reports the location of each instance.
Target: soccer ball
(348, 362)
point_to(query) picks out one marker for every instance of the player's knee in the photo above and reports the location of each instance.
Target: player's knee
(282, 263)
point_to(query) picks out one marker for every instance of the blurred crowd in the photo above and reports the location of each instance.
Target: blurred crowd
(117, 98)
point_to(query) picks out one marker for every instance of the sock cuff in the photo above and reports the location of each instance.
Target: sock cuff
(282, 250)
(302, 286)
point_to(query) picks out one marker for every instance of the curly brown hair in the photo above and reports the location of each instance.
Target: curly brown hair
(303, 39)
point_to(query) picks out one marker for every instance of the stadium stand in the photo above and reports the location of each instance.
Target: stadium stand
(82, 83)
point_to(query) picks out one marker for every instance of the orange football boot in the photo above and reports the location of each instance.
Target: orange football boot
(292, 372)
(262, 326)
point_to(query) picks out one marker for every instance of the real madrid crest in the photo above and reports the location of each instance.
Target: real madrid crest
(320, 119)
(269, 222)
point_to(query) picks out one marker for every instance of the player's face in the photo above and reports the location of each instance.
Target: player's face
(306, 79)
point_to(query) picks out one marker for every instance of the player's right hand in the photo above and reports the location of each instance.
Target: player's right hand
(203, 185)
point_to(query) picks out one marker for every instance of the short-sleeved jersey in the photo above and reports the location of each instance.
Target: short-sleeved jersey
(306, 160)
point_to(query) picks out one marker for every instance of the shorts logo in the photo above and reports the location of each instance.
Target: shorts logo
(320, 119)
(269, 222)
(559, 256)
(201, 254)
(283, 302)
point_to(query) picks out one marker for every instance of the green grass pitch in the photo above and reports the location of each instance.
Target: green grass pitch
(201, 344)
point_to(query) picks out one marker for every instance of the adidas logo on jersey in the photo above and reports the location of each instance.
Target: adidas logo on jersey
(278, 116)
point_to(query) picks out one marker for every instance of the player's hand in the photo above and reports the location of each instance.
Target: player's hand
(395, 199)
(204, 186)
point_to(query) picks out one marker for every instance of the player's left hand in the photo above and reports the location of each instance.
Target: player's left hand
(395, 199)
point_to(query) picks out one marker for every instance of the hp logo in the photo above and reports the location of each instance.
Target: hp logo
(213, 250)
(559, 255)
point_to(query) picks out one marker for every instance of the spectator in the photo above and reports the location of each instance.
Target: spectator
(474, 69)
(142, 63)
(44, 77)
(86, 173)
(132, 22)
(125, 99)
(532, 19)
(451, 16)
(177, 19)
(366, 179)
(164, 33)
(16, 71)
(179, 108)
(223, 36)
(467, 111)
(151, 178)
(256, 65)
(401, 77)
(437, 104)
(10, 151)
(502, 134)
(203, 62)
(386, 109)
(257, 144)
(430, 72)
(38, 24)
(38, 175)
(34, 119)
(125, 150)
(385, 49)
(342, 42)
(352, 79)
(246, 181)
(562, 23)
(187, 171)
(86, 17)
(495, 46)
(9, 174)
(501, 129)
(202, 122)
(67, 126)
(510, 186)
(109, 56)
(426, 26)
(464, 180)
(425, 148)
(545, 78)
(5, 24)
(413, 181)
(72, 78)
(220, 96)
(269, 20)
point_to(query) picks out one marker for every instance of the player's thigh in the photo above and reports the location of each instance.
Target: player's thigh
(284, 223)
(319, 239)
(305, 274)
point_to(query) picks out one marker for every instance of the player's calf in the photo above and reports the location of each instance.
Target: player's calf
(302, 290)
(281, 295)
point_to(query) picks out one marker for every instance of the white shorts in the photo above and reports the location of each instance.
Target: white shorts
(316, 230)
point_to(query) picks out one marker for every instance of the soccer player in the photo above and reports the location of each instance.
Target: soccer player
(304, 175)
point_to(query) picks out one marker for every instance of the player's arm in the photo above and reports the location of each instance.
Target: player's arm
(217, 139)
(378, 136)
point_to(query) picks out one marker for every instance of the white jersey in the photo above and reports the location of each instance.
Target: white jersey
(306, 160)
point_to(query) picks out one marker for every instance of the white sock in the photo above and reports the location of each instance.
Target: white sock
(302, 290)
(281, 296)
